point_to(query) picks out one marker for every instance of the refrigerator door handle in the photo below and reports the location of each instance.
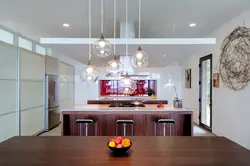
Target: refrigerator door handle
(54, 91)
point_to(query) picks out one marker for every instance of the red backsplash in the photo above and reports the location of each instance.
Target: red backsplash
(110, 87)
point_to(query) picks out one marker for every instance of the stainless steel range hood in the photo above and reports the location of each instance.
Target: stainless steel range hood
(125, 59)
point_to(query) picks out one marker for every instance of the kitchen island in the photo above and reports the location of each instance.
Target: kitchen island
(110, 101)
(143, 117)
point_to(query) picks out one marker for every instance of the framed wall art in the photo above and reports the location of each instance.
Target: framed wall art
(188, 78)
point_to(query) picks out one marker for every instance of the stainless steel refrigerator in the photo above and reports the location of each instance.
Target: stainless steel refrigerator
(52, 110)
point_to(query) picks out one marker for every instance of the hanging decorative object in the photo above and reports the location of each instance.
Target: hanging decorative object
(114, 67)
(89, 73)
(235, 59)
(102, 47)
(127, 85)
(140, 58)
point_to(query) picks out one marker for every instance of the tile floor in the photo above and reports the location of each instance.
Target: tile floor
(197, 131)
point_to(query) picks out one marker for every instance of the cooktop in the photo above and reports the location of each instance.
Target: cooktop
(126, 105)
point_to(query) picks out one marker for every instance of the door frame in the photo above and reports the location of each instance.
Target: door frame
(210, 56)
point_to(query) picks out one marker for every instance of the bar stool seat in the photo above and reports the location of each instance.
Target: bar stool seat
(125, 122)
(86, 122)
(164, 122)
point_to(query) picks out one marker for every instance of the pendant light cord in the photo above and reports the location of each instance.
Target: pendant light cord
(114, 23)
(89, 30)
(127, 30)
(139, 19)
(174, 30)
(102, 15)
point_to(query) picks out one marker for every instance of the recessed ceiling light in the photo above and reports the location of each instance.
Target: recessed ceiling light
(192, 24)
(66, 25)
(164, 55)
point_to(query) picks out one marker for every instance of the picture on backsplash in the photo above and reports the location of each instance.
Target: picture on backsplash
(188, 78)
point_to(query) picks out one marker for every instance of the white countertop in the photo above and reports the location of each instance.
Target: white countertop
(104, 107)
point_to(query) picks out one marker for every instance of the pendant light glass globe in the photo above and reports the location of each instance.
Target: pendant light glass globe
(89, 74)
(114, 68)
(102, 47)
(140, 58)
(127, 85)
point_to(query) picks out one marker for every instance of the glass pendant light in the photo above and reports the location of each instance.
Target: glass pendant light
(89, 73)
(102, 47)
(127, 85)
(114, 67)
(140, 58)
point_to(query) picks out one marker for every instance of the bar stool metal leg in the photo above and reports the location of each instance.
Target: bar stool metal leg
(124, 129)
(170, 130)
(116, 130)
(164, 129)
(154, 128)
(132, 129)
(80, 129)
(96, 129)
(86, 129)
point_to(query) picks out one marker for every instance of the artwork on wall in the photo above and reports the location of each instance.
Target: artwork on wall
(235, 59)
(188, 78)
(216, 80)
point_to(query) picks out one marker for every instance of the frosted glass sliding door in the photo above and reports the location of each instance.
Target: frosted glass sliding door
(66, 85)
(32, 77)
(8, 91)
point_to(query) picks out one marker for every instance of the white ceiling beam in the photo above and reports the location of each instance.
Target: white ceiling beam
(142, 41)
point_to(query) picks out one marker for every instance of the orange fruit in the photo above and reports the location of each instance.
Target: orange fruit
(126, 143)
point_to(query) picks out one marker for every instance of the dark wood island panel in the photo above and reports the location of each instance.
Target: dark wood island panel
(143, 122)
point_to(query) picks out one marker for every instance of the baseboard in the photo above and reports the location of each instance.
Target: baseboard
(44, 131)
(39, 133)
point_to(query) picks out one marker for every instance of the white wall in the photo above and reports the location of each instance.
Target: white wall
(231, 110)
(85, 91)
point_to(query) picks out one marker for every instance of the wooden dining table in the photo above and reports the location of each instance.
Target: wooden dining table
(145, 151)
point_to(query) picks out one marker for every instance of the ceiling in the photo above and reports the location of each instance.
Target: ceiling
(44, 18)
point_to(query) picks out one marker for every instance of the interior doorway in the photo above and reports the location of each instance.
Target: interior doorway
(205, 92)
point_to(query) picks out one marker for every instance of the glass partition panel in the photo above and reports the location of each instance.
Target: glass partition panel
(32, 79)
(8, 91)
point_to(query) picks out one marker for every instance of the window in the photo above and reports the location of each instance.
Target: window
(110, 87)
(40, 50)
(6, 36)
(24, 43)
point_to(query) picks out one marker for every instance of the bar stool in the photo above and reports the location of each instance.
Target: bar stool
(124, 123)
(164, 122)
(86, 122)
